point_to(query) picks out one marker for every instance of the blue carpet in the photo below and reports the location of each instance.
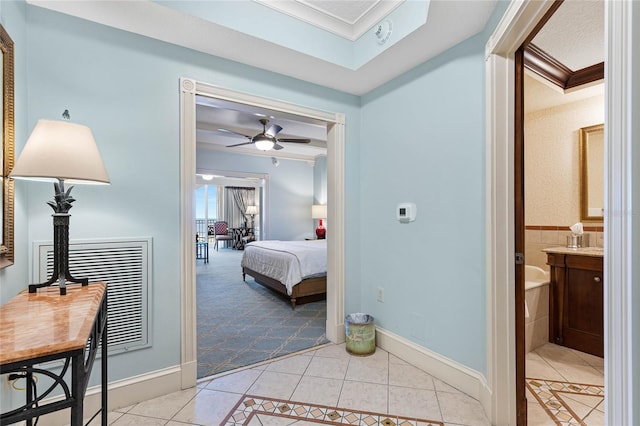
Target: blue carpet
(242, 323)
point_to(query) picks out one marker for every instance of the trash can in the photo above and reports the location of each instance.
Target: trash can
(360, 334)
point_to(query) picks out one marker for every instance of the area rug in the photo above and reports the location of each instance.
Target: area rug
(242, 323)
(256, 410)
(557, 398)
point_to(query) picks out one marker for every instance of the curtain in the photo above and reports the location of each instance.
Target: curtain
(236, 201)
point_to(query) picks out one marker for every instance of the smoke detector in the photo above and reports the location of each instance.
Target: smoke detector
(383, 31)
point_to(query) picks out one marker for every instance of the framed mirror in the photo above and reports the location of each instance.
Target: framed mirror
(592, 173)
(6, 160)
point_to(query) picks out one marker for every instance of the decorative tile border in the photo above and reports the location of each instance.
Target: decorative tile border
(250, 406)
(549, 396)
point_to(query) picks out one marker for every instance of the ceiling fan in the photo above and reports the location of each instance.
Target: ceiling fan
(266, 140)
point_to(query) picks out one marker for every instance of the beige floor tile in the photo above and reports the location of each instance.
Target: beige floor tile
(537, 416)
(590, 401)
(540, 369)
(462, 409)
(125, 409)
(533, 355)
(580, 374)
(133, 420)
(558, 355)
(264, 420)
(238, 382)
(329, 368)
(333, 351)
(596, 418)
(364, 396)
(409, 376)
(275, 385)
(294, 365)
(592, 360)
(368, 370)
(164, 407)
(395, 360)
(411, 402)
(441, 386)
(111, 418)
(208, 408)
(379, 355)
(174, 423)
(318, 390)
(581, 410)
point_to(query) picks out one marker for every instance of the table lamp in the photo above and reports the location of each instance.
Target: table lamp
(319, 212)
(60, 152)
(252, 211)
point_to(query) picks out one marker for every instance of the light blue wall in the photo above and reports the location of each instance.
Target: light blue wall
(126, 88)
(320, 180)
(291, 187)
(424, 136)
(423, 142)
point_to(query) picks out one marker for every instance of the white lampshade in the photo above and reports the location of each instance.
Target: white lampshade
(61, 150)
(252, 210)
(263, 143)
(318, 211)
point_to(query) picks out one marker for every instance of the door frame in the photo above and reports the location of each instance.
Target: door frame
(519, 20)
(189, 89)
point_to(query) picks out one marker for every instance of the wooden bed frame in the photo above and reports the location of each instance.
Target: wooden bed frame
(315, 286)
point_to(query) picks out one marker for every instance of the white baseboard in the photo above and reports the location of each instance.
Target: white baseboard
(122, 393)
(461, 377)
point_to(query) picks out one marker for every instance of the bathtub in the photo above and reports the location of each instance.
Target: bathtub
(536, 306)
(534, 277)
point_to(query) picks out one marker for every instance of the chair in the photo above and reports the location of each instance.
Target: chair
(221, 231)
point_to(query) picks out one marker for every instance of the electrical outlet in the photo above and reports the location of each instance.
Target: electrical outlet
(380, 294)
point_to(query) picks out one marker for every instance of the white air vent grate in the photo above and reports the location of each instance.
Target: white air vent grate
(124, 265)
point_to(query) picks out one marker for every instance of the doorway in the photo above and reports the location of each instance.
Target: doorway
(190, 89)
(559, 325)
(520, 20)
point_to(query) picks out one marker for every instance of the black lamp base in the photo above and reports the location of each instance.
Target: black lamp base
(61, 273)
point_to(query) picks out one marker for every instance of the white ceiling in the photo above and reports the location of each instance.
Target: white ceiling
(574, 35)
(347, 18)
(541, 94)
(448, 23)
(213, 114)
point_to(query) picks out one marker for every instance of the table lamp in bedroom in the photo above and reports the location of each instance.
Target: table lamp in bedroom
(319, 212)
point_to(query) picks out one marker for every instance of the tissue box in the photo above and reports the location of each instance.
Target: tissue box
(577, 241)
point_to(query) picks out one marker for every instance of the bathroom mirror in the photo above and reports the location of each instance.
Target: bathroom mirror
(6, 154)
(592, 173)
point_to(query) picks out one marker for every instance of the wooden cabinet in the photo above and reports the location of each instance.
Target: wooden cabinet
(576, 301)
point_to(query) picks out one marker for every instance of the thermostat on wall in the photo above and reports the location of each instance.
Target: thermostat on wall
(406, 212)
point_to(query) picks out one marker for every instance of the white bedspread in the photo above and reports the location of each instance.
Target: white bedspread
(287, 261)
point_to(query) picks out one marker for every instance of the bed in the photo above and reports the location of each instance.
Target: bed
(295, 269)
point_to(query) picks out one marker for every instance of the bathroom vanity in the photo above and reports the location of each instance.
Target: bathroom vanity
(576, 298)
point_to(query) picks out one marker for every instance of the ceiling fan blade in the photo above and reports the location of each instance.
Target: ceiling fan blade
(288, 140)
(240, 144)
(273, 130)
(234, 133)
(277, 147)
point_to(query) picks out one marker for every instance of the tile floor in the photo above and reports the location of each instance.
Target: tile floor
(554, 366)
(380, 383)
(326, 377)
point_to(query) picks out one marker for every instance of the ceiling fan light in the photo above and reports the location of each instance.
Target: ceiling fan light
(263, 143)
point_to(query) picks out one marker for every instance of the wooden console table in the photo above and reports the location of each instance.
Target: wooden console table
(45, 326)
(576, 299)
